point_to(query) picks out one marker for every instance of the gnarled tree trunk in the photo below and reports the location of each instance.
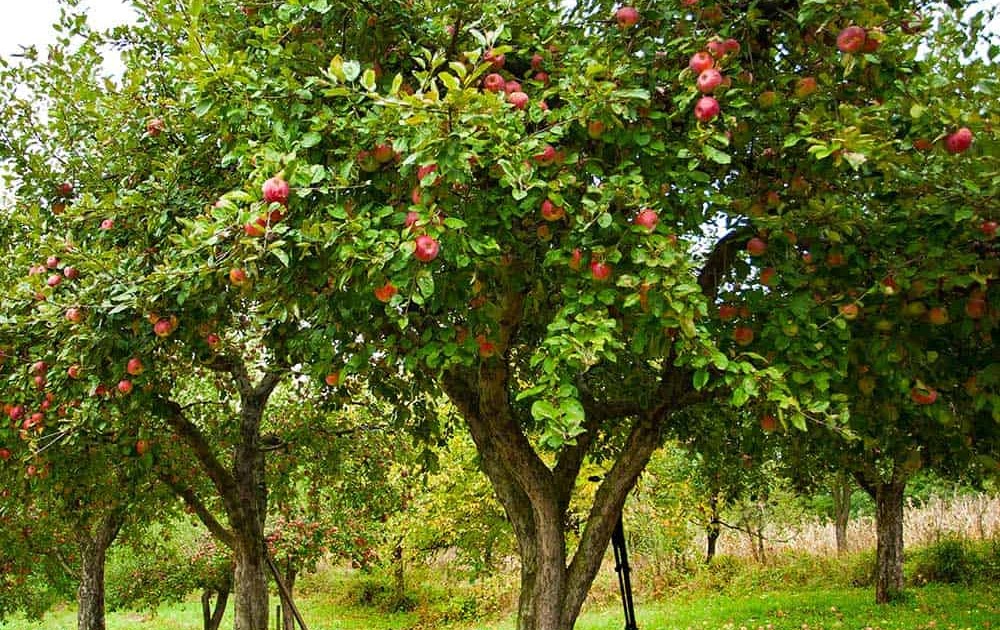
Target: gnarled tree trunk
(889, 527)
(212, 617)
(93, 553)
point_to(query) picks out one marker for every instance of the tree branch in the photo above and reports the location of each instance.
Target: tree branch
(190, 499)
(720, 261)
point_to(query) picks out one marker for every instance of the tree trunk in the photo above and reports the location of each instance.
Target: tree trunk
(287, 615)
(93, 553)
(714, 528)
(251, 606)
(889, 527)
(841, 491)
(399, 576)
(212, 619)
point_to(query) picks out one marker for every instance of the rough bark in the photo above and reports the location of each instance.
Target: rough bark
(93, 553)
(713, 530)
(889, 528)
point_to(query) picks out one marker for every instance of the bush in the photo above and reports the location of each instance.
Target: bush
(953, 559)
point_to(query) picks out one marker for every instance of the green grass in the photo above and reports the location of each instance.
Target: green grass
(933, 607)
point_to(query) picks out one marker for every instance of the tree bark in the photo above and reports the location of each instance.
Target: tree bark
(841, 490)
(93, 553)
(889, 527)
(714, 528)
(212, 618)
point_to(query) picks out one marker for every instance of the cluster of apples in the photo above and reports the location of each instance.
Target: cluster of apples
(512, 90)
(709, 78)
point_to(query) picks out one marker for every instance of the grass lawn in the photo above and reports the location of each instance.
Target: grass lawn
(933, 607)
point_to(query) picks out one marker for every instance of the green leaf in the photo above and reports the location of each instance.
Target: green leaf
(368, 80)
(320, 6)
(700, 378)
(449, 81)
(281, 255)
(310, 139)
(717, 156)
(351, 70)
(196, 8)
(203, 107)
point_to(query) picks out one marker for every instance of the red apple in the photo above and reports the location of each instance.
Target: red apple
(552, 212)
(716, 48)
(958, 142)
(254, 229)
(850, 311)
(4, 454)
(494, 59)
(518, 99)
(74, 315)
(537, 61)
(600, 271)
(108, 224)
(988, 228)
(332, 379)
(39, 367)
(743, 335)
(385, 292)
(163, 327)
(511, 86)
(728, 312)
(141, 447)
(938, 316)
(383, 153)
(16, 412)
(975, 307)
(626, 17)
(647, 218)
(731, 45)
(923, 395)
(426, 248)
(276, 190)
(54, 280)
(547, 156)
(71, 273)
(486, 347)
(700, 62)
(134, 366)
(73, 371)
(709, 80)
(805, 86)
(706, 109)
(125, 386)
(768, 276)
(237, 276)
(425, 170)
(851, 39)
(52, 262)
(65, 189)
(756, 246)
(494, 83)
(543, 78)
(595, 129)
(768, 423)
(155, 126)
(213, 340)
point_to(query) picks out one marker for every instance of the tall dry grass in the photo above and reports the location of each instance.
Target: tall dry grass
(972, 516)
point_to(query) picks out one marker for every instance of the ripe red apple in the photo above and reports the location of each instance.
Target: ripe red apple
(626, 17)
(547, 156)
(4, 454)
(835, 259)
(425, 170)
(595, 129)
(108, 224)
(552, 212)
(155, 126)
(332, 379)
(768, 276)
(728, 312)
(988, 228)
(511, 86)
(426, 248)
(706, 109)
(542, 77)
(254, 229)
(938, 316)
(700, 62)
(518, 99)
(716, 48)
(537, 61)
(16, 412)
(486, 347)
(850, 311)
(383, 153)
(768, 423)
(125, 386)
(958, 142)
(276, 190)
(851, 39)
(71, 273)
(494, 83)
(52, 262)
(647, 218)
(141, 447)
(73, 371)
(600, 271)
(134, 366)
(163, 327)
(39, 367)
(237, 276)
(806, 86)
(756, 246)
(494, 59)
(709, 80)
(743, 335)
(731, 45)
(385, 292)
(923, 395)
(74, 315)
(65, 189)
(54, 280)
(975, 307)
(213, 340)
